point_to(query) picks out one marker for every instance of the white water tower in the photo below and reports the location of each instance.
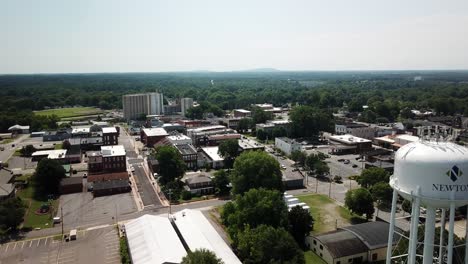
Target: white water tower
(433, 175)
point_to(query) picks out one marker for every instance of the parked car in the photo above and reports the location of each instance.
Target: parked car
(341, 160)
(283, 167)
(355, 166)
(346, 162)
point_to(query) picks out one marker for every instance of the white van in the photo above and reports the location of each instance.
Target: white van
(73, 234)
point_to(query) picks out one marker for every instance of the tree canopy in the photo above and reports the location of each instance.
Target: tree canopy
(11, 213)
(255, 169)
(300, 223)
(221, 182)
(256, 207)
(372, 176)
(386, 94)
(308, 121)
(360, 201)
(201, 256)
(47, 178)
(382, 193)
(267, 244)
(171, 164)
(229, 149)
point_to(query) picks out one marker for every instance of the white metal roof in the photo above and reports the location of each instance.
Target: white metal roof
(349, 139)
(406, 137)
(18, 127)
(179, 137)
(51, 154)
(243, 111)
(212, 152)
(198, 233)
(155, 132)
(77, 130)
(152, 239)
(106, 130)
(116, 150)
(207, 128)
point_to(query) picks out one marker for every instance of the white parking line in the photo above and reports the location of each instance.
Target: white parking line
(30, 243)
(15, 246)
(38, 241)
(6, 249)
(46, 241)
(22, 245)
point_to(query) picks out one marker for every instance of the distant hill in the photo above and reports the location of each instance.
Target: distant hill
(261, 70)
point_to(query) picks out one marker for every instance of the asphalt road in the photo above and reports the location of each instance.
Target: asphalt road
(145, 188)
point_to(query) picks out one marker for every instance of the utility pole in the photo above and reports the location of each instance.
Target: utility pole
(170, 199)
(61, 216)
(329, 189)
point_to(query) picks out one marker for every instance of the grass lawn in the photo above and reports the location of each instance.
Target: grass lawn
(59, 146)
(312, 258)
(6, 141)
(70, 112)
(31, 219)
(327, 214)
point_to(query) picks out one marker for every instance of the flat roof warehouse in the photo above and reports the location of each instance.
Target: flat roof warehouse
(155, 239)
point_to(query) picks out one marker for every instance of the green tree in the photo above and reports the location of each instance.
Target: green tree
(308, 121)
(221, 182)
(260, 116)
(315, 164)
(256, 169)
(11, 213)
(382, 193)
(299, 157)
(406, 206)
(66, 145)
(194, 112)
(261, 134)
(360, 201)
(201, 256)
(47, 178)
(244, 125)
(267, 244)
(229, 150)
(300, 224)
(171, 164)
(27, 150)
(371, 176)
(256, 207)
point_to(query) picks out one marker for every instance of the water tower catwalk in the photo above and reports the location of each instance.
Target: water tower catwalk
(433, 175)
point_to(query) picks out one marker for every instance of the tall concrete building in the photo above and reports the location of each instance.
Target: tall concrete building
(136, 104)
(185, 103)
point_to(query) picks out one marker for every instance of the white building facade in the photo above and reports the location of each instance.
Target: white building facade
(136, 104)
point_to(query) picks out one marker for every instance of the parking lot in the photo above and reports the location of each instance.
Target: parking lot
(81, 209)
(96, 246)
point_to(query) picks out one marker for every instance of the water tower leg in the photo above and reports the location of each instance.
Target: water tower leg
(442, 229)
(391, 228)
(414, 230)
(450, 239)
(466, 238)
(428, 255)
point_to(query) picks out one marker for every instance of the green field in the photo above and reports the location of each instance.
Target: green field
(327, 215)
(32, 220)
(71, 112)
(312, 258)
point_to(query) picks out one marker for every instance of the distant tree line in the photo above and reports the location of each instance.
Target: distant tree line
(389, 96)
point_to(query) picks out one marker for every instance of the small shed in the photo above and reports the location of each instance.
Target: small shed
(71, 185)
(111, 187)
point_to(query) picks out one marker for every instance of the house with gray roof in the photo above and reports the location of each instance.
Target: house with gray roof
(360, 243)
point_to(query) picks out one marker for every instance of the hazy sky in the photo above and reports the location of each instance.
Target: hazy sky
(50, 36)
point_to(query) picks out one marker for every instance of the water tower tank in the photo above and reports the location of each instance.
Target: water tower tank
(438, 168)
